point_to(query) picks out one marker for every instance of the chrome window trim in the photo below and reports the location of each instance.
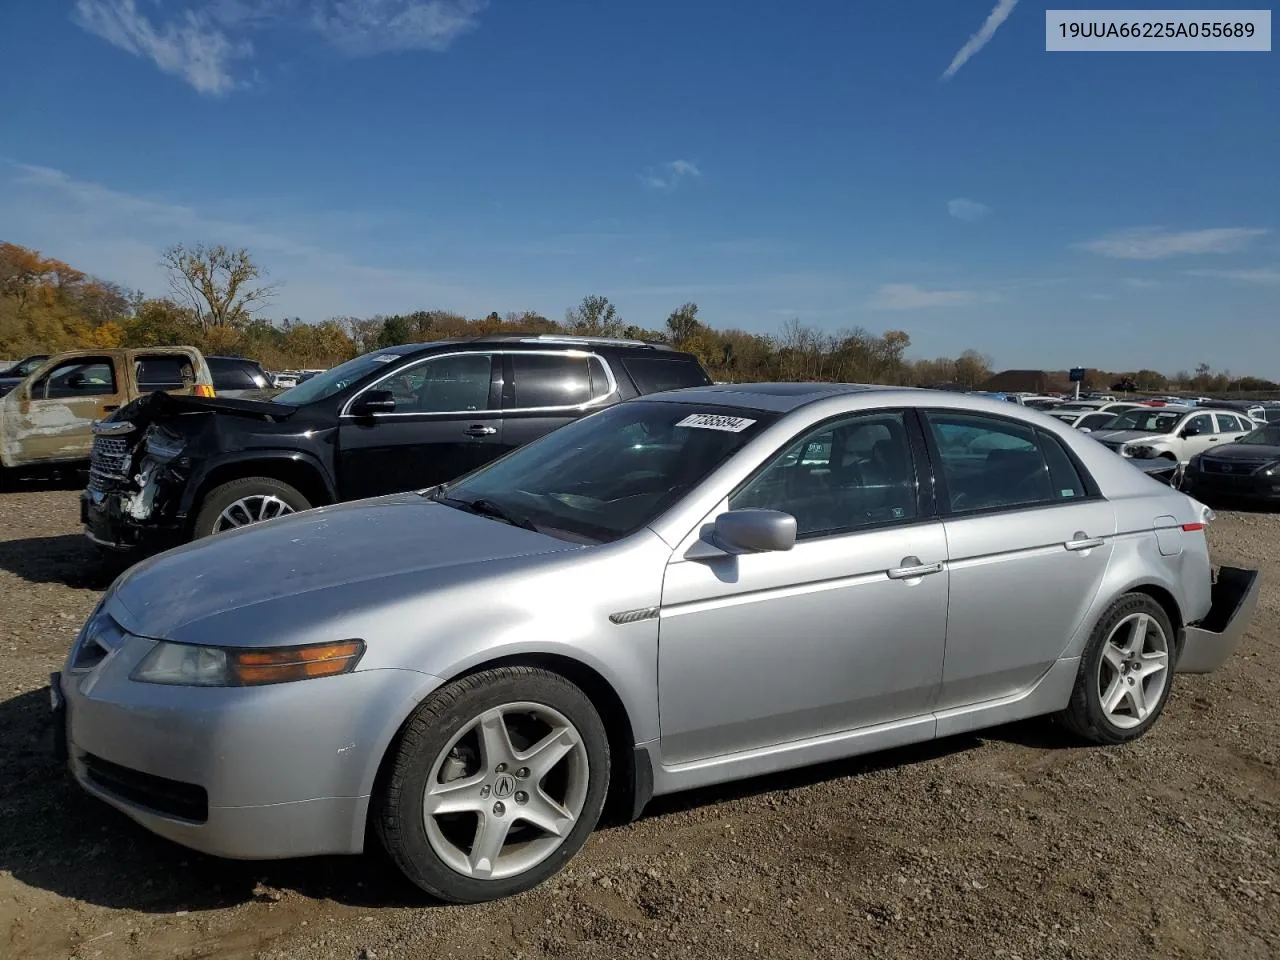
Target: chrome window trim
(499, 411)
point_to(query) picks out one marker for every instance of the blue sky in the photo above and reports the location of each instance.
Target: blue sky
(767, 160)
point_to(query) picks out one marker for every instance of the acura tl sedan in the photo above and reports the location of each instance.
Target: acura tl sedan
(680, 590)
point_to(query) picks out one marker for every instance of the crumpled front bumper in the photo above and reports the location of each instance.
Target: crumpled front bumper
(108, 524)
(1207, 644)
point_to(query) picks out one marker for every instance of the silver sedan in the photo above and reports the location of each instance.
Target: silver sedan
(691, 588)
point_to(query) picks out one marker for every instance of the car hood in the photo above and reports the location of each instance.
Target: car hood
(159, 404)
(1244, 451)
(1126, 436)
(332, 558)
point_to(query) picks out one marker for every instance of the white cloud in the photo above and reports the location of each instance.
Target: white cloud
(362, 27)
(1156, 243)
(907, 296)
(189, 46)
(670, 175)
(963, 208)
(120, 236)
(201, 44)
(1259, 275)
(999, 14)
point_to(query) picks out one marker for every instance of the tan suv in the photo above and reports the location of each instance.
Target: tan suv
(46, 418)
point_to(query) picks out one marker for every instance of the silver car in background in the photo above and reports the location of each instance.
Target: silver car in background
(681, 590)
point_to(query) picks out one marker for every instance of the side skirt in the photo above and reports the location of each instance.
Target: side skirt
(1049, 694)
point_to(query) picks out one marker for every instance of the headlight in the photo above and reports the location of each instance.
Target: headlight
(164, 446)
(192, 665)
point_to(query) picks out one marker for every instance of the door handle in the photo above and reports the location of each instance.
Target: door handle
(1082, 541)
(1213, 439)
(480, 430)
(911, 568)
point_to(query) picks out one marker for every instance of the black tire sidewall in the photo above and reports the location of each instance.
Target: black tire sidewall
(402, 830)
(222, 496)
(1086, 701)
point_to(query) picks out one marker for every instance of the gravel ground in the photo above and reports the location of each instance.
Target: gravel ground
(1013, 844)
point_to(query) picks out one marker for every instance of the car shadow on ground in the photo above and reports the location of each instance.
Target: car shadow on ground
(68, 559)
(55, 837)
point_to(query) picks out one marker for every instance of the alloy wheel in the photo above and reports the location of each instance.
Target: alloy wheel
(506, 791)
(1133, 670)
(251, 509)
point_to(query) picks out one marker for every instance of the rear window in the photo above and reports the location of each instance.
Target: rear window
(164, 373)
(235, 375)
(655, 374)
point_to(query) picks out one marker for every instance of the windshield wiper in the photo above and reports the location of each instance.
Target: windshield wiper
(487, 508)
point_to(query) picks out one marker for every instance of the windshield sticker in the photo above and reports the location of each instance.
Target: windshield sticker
(385, 357)
(715, 421)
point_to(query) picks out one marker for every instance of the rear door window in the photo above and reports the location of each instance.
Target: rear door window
(655, 374)
(550, 380)
(231, 375)
(992, 464)
(163, 372)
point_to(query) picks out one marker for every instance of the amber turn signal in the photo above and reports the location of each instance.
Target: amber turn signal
(204, 390)
(282, 664)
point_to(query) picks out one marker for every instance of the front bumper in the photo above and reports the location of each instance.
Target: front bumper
(1206, 645)
(1244, 486)
(107, 524)
(284, 770)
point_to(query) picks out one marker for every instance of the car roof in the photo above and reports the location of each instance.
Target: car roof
(781, 397)
(536, 341)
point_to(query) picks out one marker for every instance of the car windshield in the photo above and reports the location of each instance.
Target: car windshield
(326, 384)
(26, 366)
(604, 477)
(1268, 436)
(1146, 421)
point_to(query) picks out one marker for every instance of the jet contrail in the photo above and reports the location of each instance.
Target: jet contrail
(979, 40)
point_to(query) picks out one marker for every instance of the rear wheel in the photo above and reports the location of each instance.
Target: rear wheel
(497, 781)
(1126, 673)
(245, 501)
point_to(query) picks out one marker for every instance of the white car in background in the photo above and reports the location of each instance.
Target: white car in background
(1073, 410)
(1171, 433)
(1094, 420)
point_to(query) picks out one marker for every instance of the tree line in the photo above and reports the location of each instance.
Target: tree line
(217, 296)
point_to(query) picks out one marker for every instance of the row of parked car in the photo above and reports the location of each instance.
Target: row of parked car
(181, 446)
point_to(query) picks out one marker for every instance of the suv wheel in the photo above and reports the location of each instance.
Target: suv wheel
(247, 500)
(496, 782)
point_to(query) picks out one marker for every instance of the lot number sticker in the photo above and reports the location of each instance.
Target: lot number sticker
(714, 421)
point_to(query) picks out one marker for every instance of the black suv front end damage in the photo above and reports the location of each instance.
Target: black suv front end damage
(144, 457)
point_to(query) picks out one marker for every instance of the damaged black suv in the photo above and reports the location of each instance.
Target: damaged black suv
(168, 469)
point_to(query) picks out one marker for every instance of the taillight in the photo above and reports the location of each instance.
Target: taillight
(1192, 527)
(204, 390)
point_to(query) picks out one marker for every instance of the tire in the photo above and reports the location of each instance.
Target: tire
(1114, 669)
(275, 496)
(442, 743)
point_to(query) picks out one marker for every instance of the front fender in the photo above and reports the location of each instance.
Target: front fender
(199, 481)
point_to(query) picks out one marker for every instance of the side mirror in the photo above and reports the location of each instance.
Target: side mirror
(375, 401)
(1085, 429)
(1189, 432)
(746, 531)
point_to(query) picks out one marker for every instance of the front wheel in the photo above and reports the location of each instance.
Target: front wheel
(1126, 673)
(247, 500)
(497, 781)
